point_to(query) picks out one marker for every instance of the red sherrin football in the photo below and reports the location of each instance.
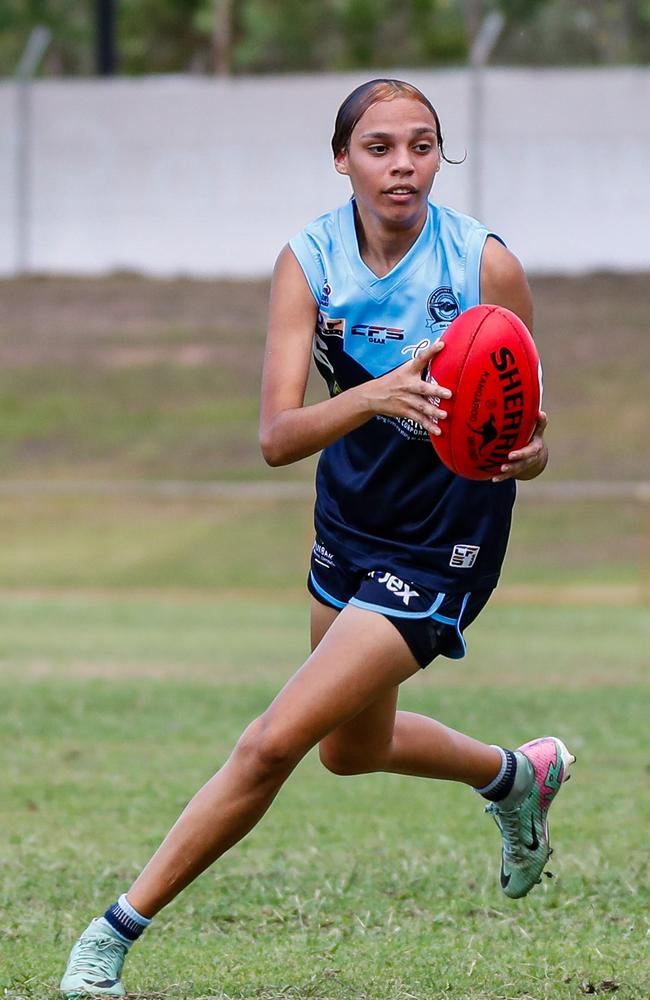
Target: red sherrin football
(492, 367)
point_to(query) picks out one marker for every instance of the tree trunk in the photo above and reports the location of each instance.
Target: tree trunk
(222, 37)
(472, 11)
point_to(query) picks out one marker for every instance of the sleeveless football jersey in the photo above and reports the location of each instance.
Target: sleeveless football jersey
(383, 496)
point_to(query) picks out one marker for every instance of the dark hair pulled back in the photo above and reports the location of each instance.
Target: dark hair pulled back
(357, 103)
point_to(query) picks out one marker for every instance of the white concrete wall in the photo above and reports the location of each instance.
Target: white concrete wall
(188, 175)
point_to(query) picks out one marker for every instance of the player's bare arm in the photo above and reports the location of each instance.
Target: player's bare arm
(289, 430)
(504, 283)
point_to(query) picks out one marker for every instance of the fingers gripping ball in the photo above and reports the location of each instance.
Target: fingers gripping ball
(492, 367)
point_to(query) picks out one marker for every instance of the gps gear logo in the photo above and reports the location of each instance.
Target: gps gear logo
(377, 334)
(442, 306)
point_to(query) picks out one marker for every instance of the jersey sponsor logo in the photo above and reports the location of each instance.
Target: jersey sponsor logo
(442, 306)
(325, 295)
(330, 327)
(395, 586)
(377, 334)
(464, 556)
(323, 556)
(414, 350)
(408, 428)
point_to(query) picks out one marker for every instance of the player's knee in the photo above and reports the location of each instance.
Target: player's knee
(267, 749)
(345, 760)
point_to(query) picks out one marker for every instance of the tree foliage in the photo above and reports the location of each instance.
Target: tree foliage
(267, 36)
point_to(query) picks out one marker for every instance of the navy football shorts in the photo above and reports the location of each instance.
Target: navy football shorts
(430, 622)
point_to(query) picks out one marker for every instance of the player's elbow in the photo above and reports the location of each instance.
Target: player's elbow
(272, 449)
(279, 441)
(274, 459)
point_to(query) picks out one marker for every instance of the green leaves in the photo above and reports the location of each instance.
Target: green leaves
(170, 36)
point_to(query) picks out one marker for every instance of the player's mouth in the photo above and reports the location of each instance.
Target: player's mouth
(400, 194)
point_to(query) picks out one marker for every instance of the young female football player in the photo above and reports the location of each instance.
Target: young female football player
(406, 553)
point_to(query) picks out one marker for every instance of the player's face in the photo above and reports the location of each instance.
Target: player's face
(392, 160)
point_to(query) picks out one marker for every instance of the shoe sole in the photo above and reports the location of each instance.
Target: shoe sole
(76, 995)
(86, 995)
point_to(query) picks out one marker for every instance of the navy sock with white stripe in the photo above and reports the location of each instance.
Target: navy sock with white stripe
(126, 920)
(501, 785)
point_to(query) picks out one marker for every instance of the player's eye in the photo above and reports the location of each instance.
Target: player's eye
(378, 148)
(424, 147)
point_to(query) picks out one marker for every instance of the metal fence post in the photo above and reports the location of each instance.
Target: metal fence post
(482, 47)
(37, 43)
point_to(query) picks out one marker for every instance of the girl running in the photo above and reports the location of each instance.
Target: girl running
(406, 553)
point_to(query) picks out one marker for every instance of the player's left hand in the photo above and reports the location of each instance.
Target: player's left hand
(530, 461)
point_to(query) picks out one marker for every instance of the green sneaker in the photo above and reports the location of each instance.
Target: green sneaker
(524, 827)
(95, 963)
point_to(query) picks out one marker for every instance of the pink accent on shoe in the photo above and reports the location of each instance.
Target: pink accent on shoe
(545, 754)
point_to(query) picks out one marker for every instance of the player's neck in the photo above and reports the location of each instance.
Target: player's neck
(382, 247)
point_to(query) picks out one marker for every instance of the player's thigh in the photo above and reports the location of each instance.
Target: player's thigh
(322, 617)
(371, 730)
(363, 739)
(361, 659)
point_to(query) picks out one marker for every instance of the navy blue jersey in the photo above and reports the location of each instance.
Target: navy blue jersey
(382, 493)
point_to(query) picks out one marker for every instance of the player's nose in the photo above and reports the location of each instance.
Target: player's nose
(402, 162)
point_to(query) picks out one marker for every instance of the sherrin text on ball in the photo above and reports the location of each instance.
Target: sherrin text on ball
(491, 364)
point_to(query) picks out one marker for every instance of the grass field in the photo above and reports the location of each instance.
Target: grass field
(378, 887)
(126, 542)
(139, 635)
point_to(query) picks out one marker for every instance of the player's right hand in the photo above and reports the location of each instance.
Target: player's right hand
(404, 393)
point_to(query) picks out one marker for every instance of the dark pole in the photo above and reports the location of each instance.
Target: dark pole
(105, 37)
(222, 36)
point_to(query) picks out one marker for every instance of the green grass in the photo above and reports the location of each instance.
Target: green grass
(226, 639)
(126, 543)
(152, 420)
(139, 636)
(377, 887)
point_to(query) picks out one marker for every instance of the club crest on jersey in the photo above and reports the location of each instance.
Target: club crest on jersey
(442, 306)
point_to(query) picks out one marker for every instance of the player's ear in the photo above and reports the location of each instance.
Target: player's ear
(341, 162)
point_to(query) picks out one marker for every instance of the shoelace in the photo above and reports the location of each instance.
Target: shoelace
(99, 955)
(508, 823)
